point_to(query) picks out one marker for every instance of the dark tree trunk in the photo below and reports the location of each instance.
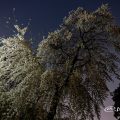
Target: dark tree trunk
(58, 93)
(54, 104)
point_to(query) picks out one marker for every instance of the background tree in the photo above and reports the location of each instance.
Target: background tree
(19, 79)
(79, 59)
(116, 99)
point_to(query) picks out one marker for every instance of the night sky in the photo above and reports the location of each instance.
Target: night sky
(46, 16)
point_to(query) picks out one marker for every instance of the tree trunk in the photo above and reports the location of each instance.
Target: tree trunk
(58, 93)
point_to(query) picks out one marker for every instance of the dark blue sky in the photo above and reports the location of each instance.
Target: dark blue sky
(46, 17)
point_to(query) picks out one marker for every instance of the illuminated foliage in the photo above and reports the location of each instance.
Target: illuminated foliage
(79, 59)
(19, 80)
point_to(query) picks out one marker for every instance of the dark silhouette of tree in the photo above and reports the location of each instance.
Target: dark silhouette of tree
(116, 99)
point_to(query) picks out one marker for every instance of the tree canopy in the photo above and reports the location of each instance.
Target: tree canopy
(79, 62)
(19, 79)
